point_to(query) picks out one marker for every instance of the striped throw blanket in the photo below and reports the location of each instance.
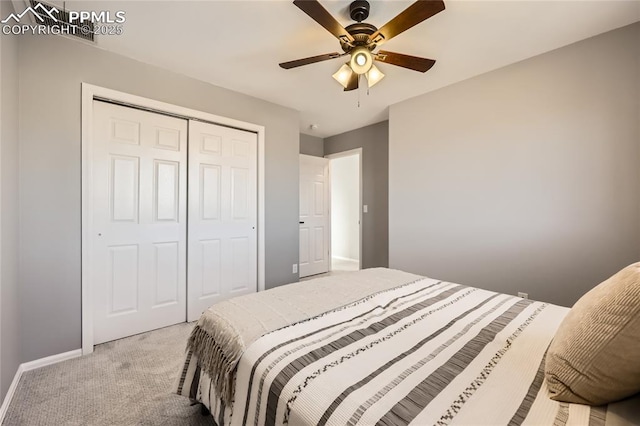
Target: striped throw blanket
(423, 353)
(224, 331)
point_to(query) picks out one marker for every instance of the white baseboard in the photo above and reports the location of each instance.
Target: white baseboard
(9, 396)
(50, 360)
(33, 365)
(346, 259)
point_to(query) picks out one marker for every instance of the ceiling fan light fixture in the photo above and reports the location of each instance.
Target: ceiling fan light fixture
(343, 75)
(361, 60)
(374, 75)
(359, 40)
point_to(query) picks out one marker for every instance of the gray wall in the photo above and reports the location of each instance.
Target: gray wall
(51, 71)
(374, 141)
(311, 145)
(525, 178)
(9, 323)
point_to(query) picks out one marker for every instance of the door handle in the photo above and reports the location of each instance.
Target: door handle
(301, 222)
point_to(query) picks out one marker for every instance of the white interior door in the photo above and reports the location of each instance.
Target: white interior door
(223, 194)
(139, 216)
(315, 215)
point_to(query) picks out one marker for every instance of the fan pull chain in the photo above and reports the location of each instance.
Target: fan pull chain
(359, 91)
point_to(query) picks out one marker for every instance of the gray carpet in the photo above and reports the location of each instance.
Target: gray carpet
(126, 382)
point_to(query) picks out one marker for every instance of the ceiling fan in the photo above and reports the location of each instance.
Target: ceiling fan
(361, 39)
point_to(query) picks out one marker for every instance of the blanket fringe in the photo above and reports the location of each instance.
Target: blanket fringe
(218, 356)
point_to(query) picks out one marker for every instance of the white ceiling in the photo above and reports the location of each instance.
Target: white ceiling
(238, 45)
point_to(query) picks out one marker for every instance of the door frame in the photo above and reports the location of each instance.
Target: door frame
(358, 152)
(89, 94)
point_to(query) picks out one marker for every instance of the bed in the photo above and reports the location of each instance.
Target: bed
(380, 346)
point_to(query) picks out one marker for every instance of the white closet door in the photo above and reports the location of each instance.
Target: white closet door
(139, 216)
(223, 250)
(315, 215)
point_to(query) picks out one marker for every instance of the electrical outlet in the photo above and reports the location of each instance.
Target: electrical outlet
(295, 268)
(523, 295)
(365, 209)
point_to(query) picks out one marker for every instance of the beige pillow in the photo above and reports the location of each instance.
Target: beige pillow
(595, 355)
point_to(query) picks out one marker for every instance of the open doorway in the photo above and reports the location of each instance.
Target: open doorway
(346, 210)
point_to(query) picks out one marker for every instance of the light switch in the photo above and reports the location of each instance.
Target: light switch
(365, 209)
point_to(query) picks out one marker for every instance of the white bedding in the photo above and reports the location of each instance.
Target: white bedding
(425, 352)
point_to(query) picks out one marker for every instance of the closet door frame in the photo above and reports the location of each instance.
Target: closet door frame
(89, 94)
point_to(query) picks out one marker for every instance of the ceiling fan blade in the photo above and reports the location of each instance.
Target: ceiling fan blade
(353, 82)
(405, 61)
(413, 15)
(319, 14)
(310, 60)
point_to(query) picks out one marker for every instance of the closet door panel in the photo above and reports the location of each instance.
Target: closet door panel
(222, 215)
(139, 215)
